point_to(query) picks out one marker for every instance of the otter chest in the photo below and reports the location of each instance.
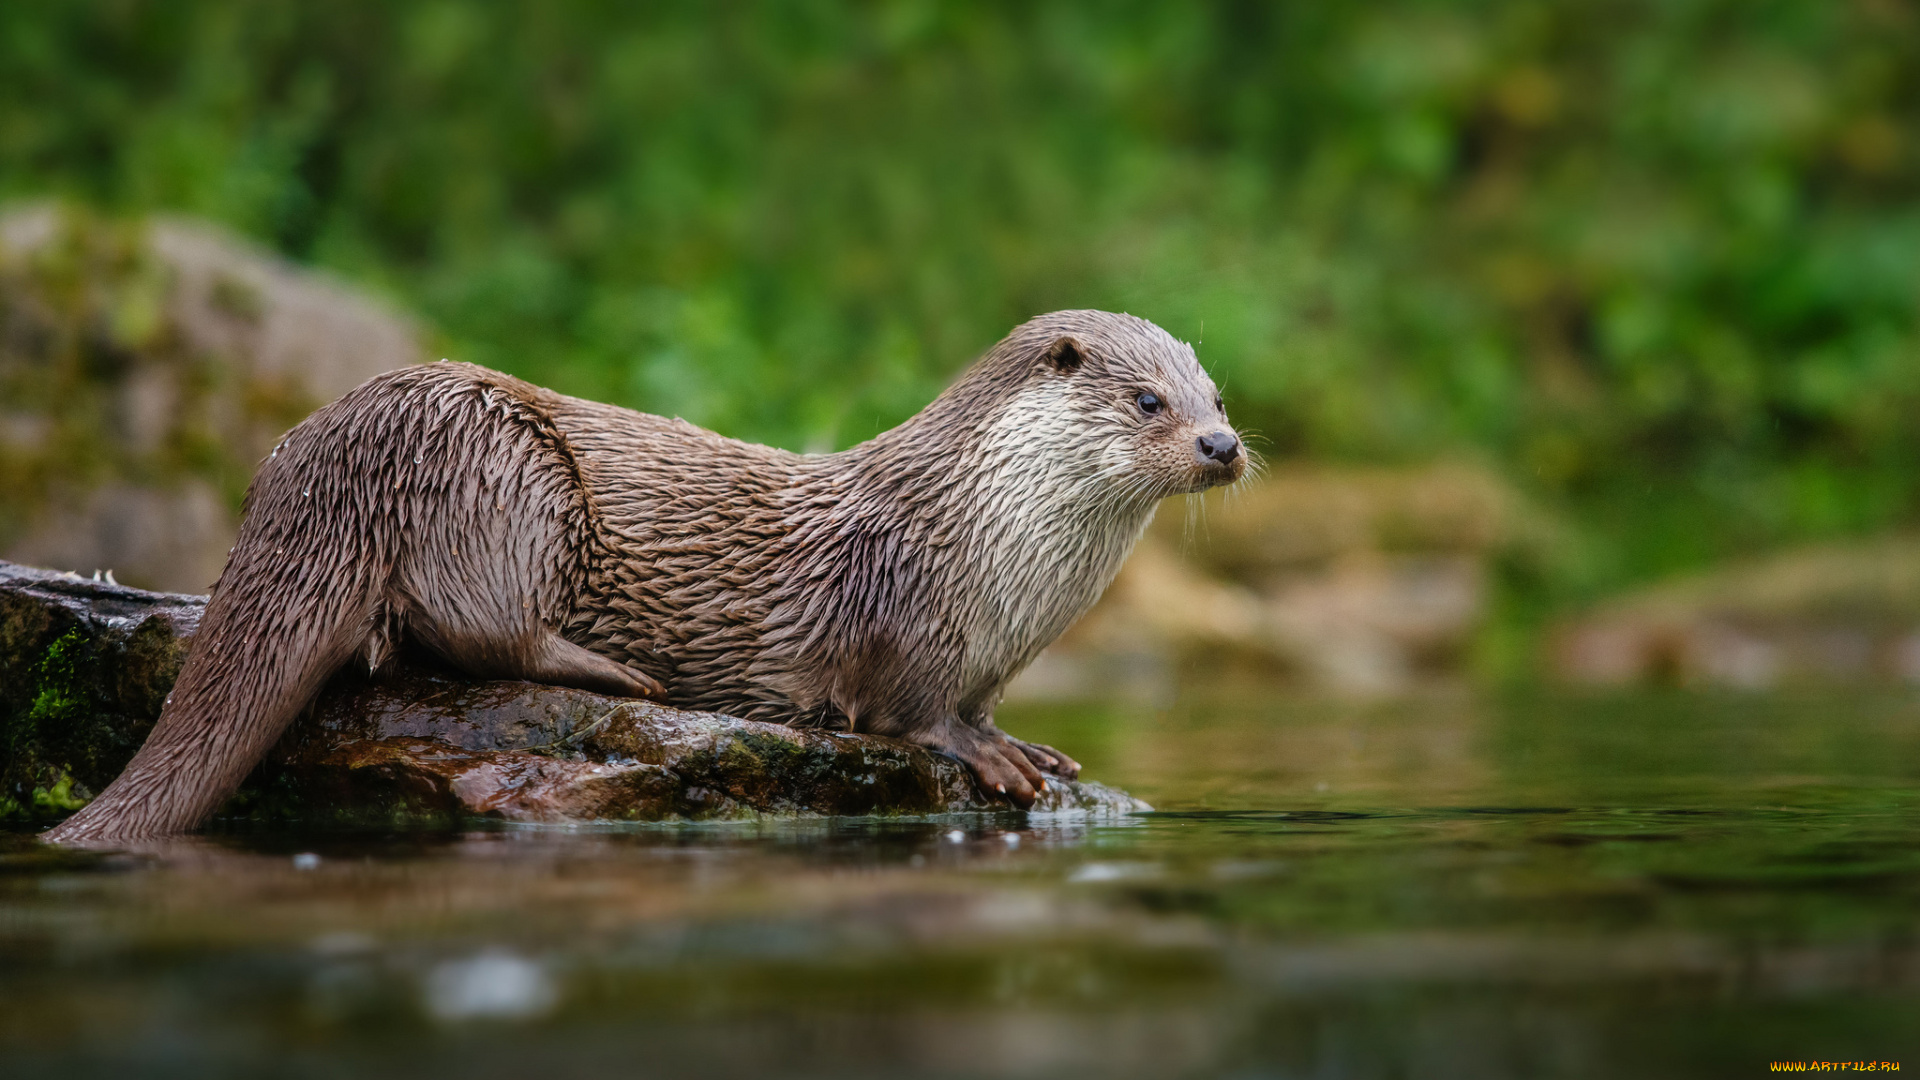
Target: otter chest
(1031, 583)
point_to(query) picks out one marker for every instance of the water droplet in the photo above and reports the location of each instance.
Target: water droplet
(306, 493)
(1012, 839)
(956, 836)
(306, 860)
(416, 459)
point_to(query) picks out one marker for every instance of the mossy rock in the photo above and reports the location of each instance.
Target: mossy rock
(84, 669)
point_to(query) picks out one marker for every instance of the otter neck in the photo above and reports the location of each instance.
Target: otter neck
(1044, 508)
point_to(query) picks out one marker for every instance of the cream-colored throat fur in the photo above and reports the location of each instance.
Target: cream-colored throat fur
(1056, 517)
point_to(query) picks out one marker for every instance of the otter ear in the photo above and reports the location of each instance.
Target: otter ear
(1066, 355)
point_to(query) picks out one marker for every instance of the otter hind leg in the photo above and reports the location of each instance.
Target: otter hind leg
(497, 650)
(556, 660)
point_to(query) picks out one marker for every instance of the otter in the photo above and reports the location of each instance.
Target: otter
(892, 588)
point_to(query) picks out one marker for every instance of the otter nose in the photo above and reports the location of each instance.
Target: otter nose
(1221, 446)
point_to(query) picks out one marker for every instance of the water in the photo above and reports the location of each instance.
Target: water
(1455, 886)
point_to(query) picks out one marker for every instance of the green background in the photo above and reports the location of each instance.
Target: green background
(1658, 262)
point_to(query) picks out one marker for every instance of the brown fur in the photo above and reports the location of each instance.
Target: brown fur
(892, 588)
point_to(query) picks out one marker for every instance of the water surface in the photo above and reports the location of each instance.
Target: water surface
(1454, 886)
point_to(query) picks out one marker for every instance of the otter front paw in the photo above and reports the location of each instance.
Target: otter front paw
(999, 768)
(1046, 758)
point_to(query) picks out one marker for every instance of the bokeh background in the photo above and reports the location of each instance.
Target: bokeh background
(1583, 337)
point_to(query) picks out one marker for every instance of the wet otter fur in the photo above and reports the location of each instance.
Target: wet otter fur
(891, 588)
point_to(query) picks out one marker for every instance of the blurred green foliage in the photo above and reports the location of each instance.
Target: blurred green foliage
(1658, 259)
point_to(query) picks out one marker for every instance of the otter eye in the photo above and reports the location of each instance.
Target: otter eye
(1220, 404)
(1149, 403)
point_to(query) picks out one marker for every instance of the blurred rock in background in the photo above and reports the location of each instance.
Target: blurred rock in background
(1366, 580)
(144, 371)
(1832, 614)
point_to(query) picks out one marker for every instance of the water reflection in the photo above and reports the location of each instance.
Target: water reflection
(1661, 886)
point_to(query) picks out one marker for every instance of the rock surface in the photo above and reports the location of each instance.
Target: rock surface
(86, 665)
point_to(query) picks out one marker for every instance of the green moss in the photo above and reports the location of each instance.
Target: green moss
(36, 783)
(67, 734)
(59, 680)
(60, 797)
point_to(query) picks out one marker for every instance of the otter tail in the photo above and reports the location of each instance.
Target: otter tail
(298, 597)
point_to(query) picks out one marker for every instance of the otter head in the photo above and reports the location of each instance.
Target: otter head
(1125, 400)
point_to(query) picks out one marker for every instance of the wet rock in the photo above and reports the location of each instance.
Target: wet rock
(86, 665)
(84, 669)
